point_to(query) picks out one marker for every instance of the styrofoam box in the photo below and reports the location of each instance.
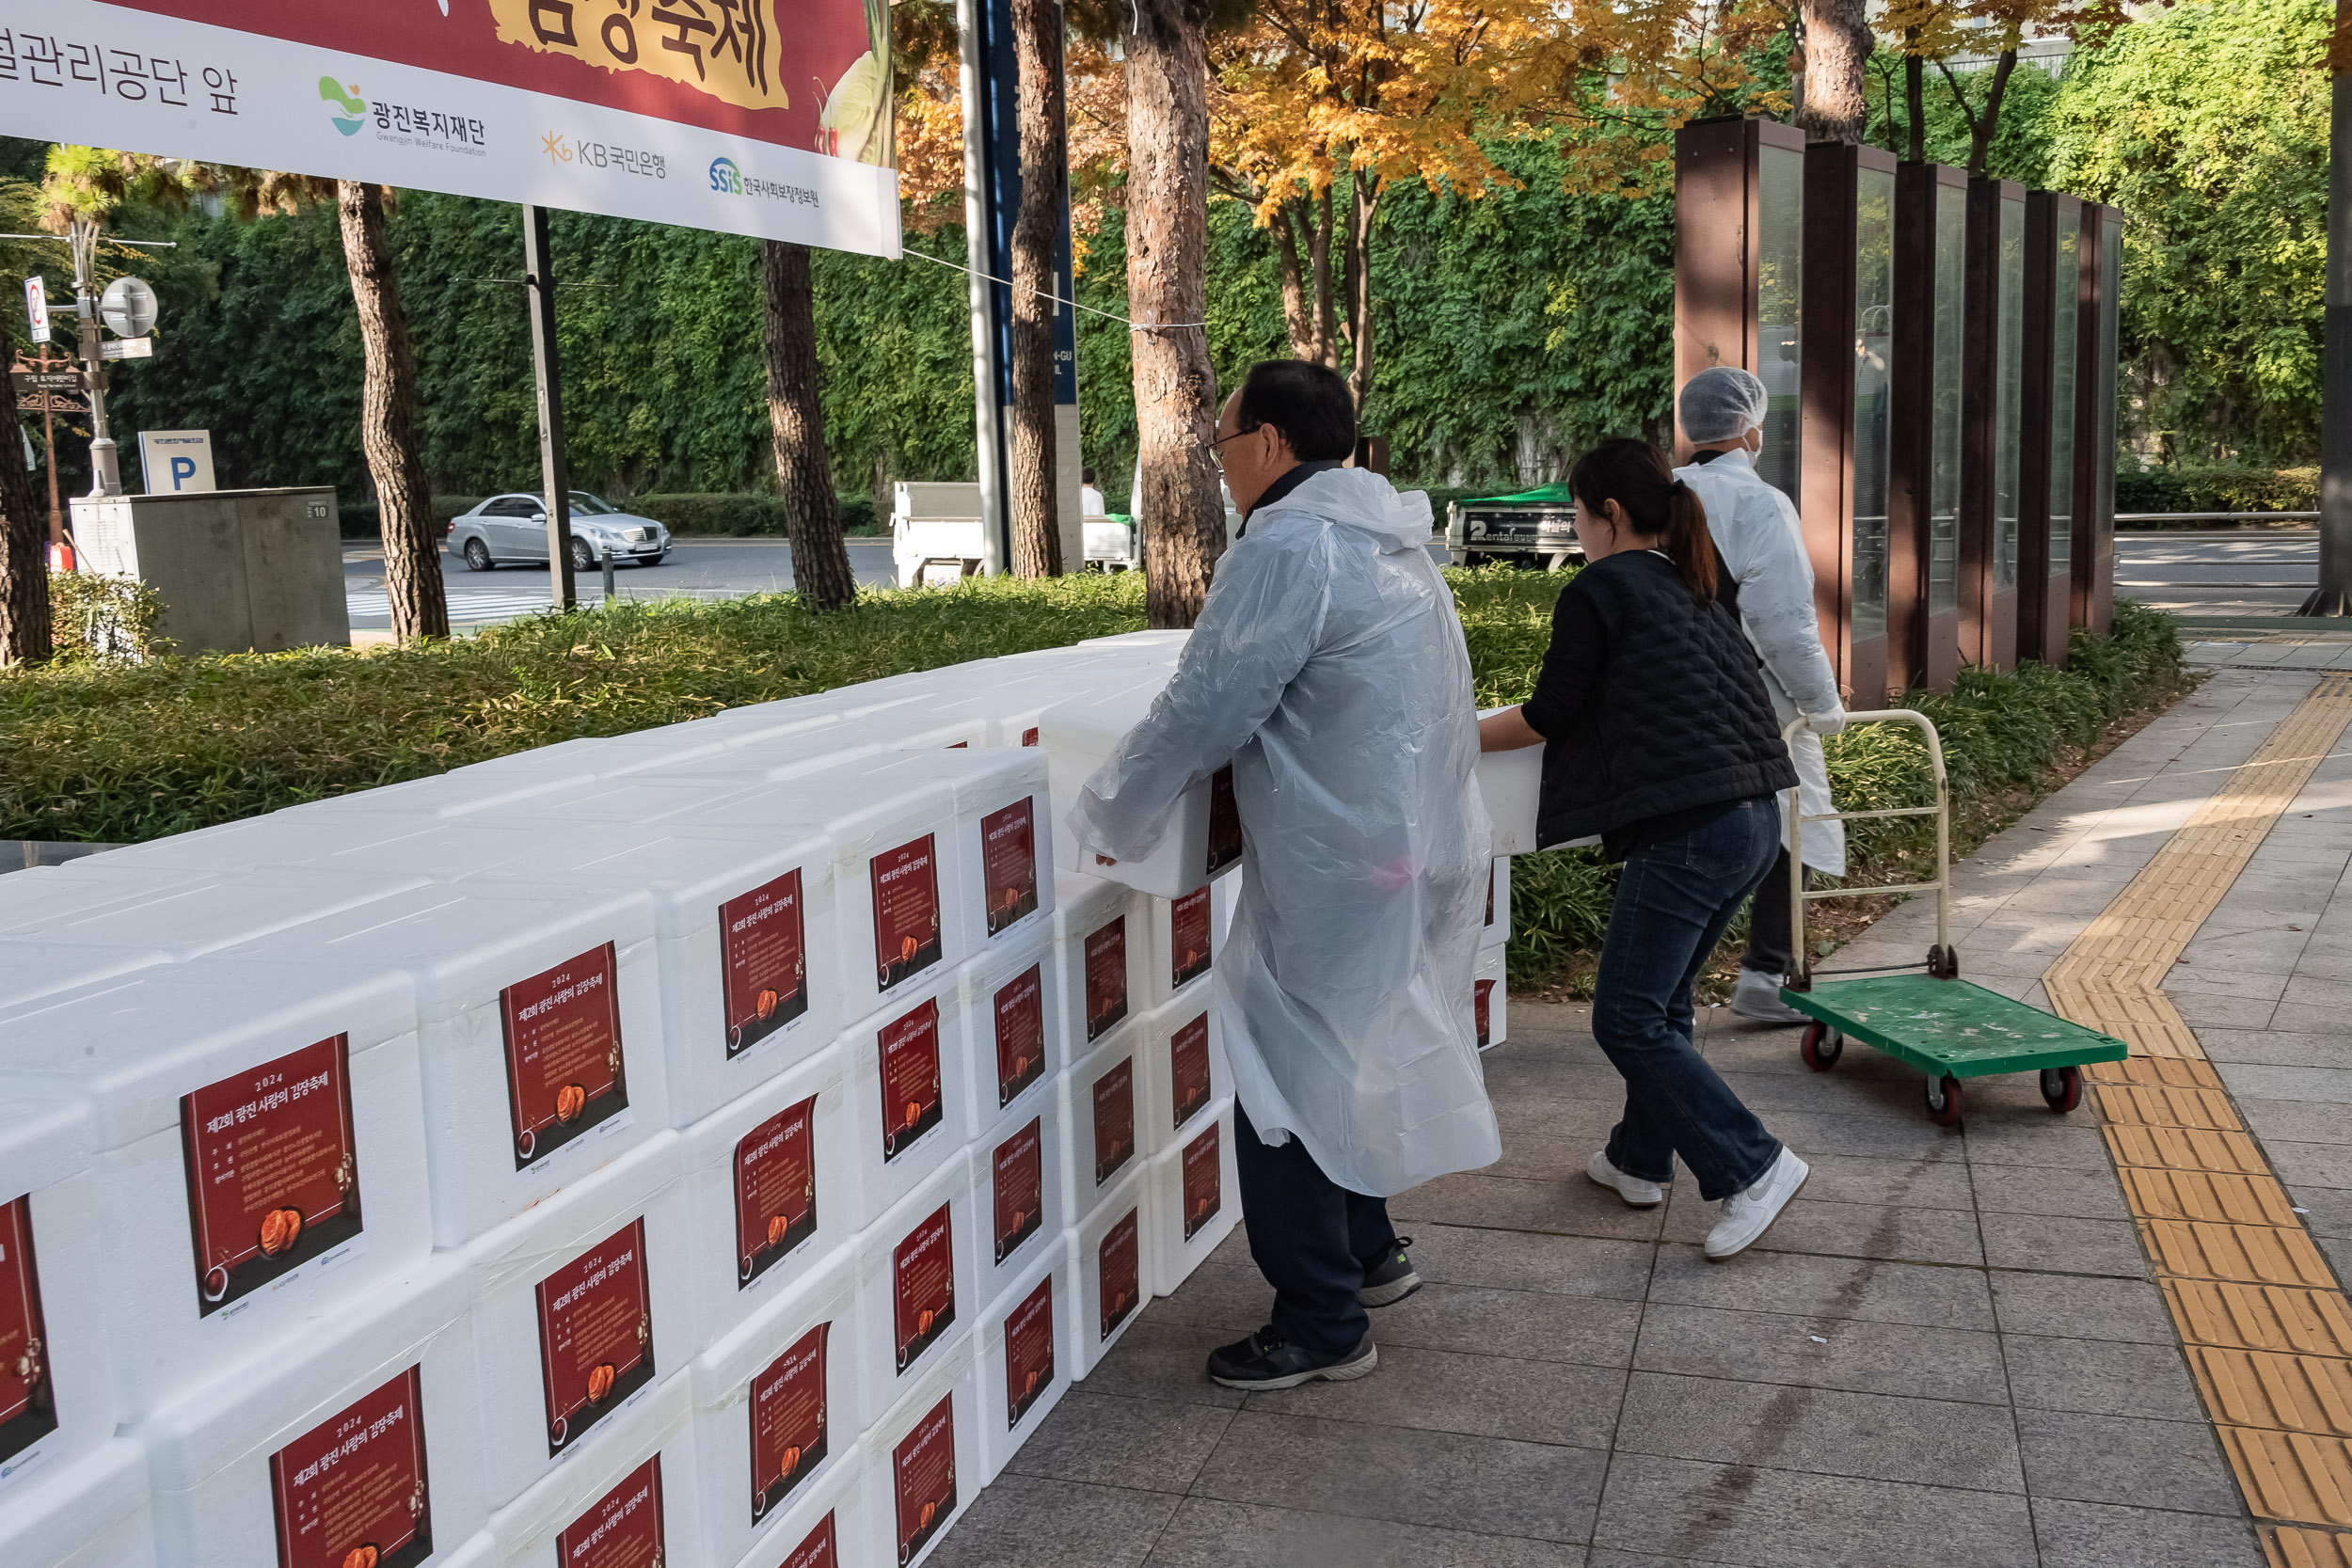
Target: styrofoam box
(1093, 918)
(1020, 1196)
(899, 1280)
(372, 1384)
(1082, 734)
(517, 984)
(478, 1550)
(1491, 999)
(772, 1190)
(1105, 1105)
(1512, 784)
(1029, 1324)
(1223, 901)
(1012, 1006)
(1496, 908)
(1118, 1236)
(777, 1409)
(373, 843)
(1183, 945)
(923, 1455)
(296, 1095)
(567, 1281)
(478, 786)
(1168, 644)
(1180, 1071)
(824, 1528)
(52, 1293)
(638, 1485)
(886, 1061)
(1196, 1197)
(91, 1514)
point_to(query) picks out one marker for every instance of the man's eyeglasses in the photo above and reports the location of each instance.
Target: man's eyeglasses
(1217, 457)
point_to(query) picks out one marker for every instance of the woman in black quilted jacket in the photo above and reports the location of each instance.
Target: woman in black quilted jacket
(1659, 740)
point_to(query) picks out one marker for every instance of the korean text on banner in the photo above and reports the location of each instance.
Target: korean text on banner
(768, 117)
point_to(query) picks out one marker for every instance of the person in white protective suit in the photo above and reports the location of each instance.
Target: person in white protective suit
(1758, 534)
(1329, 665)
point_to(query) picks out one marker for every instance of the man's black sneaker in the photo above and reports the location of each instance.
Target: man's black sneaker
(1392, 1280)
(1267, 1361)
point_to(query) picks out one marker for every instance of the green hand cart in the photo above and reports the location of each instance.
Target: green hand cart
(1946, 1027)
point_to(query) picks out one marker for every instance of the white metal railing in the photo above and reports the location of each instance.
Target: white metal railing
(2214, 516)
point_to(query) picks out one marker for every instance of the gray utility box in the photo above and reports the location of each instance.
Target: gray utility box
(235, 569)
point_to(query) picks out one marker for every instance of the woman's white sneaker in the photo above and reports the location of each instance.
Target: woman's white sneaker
(1636, 1192)
(1745, 1216)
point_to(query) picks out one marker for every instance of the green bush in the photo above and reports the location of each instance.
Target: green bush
(364, 519)
(102, 620)
(740, 516)
(2217, 487)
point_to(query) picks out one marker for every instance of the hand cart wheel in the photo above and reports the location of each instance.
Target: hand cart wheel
(1944, 962)
(2063, 1088)
(1944, 1100)
(1821, 1046)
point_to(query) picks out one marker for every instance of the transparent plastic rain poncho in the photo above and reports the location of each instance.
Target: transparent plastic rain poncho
(1329, 665)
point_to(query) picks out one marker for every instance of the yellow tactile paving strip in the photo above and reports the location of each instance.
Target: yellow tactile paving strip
(2266, 1325)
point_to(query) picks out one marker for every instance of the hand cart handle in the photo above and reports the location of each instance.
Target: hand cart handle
(1939, 961)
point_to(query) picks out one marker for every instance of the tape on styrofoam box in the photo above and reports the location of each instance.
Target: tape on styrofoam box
(362, 1430)
(1106, 935)
(1196, 1197)
(1117, 1249)
(1512, 782)
(258, 1153)
(1183, 945)
(910, 1084)
(90, 1513)
(1012, 1006)
(57, 1380)
(539, 1030)
(1020, 1199)
(772, 1191)
(1023, 1357)
(581, 1303)
(919, 1286)
(630, 1499)
(824, 1526)
(1495, 928)
(1103, 1102)
(1491, 999)
(1203, 835)
(777, 1409)
(1182, 1071)
(923, 1464)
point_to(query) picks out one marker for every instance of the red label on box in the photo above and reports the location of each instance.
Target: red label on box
(564, 1072)
(775, 1191)
(1114, 1120)
(763, 961)
(1482, 1007)
(1188, 1065)
(1029, 1351)
(273, 1174)
(1224, 821)
(621, 1530)
(911, 1101)
(1019, 1185)
(923, 1472)
(788, 1403)
(1188, 936)
(1020, 1014)
(353, 1487)
(1118, 1270)
(1107, 976)
(29, 1402)
(1029, 736)
(923, 1287)
(595, 1334)
(817, 1550)
(1009, 866)
(906, 912)
(1204, 1186)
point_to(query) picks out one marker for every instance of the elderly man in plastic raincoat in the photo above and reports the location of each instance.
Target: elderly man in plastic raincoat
(1758, 532)
(1329, 665)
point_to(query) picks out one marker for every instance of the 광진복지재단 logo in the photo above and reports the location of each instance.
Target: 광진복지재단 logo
(337, 95)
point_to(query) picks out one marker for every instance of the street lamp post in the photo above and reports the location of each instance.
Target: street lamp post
(2333, 596)
(105, 471)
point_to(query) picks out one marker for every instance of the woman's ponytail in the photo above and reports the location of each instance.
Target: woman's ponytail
(1634, 475)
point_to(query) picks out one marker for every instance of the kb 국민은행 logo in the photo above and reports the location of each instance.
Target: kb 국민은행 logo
(348, 100)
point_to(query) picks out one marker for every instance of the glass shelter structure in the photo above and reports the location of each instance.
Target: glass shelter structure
(2045, 527)
(2094, 585)
(1992, 393)
(1924, 455)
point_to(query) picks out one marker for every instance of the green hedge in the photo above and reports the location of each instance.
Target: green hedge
(364, 519)
(738, 515)
(2217, 487)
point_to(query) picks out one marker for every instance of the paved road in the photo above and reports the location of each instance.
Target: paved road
(2241, 572)
(699, 568)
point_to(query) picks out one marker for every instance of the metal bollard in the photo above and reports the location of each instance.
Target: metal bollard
(608, 574)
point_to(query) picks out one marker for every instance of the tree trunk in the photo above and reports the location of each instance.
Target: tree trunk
(24, 629)
(1916, 97)
(1035, 235)
(1838, 42)
(1309, 312)
(388, 421)
(1363, 202)
(1167, 221)
(1989, 118)
(820, 560)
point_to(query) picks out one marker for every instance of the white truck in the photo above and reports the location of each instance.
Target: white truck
(937, 534)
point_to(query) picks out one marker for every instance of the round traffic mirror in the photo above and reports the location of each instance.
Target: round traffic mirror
(128, 308)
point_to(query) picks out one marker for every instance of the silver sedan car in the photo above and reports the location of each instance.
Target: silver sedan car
(512, 529)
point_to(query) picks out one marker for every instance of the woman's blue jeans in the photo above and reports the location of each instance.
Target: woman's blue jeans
(1674, 900)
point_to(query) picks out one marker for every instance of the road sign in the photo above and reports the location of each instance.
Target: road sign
(175, 462)
(36, 308)
(127, 348)
(127, 308)
(45, 381)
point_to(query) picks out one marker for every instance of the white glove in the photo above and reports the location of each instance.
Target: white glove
(1832, 723)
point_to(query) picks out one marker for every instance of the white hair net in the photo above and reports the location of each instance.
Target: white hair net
(1721, 402)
